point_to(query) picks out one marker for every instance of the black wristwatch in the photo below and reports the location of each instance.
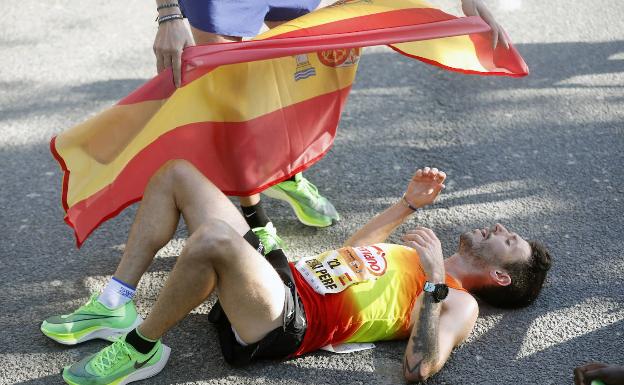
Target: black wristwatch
(439, 291)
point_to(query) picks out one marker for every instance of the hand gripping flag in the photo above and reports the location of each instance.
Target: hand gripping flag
(254, 113)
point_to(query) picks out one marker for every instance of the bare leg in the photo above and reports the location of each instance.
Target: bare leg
(202, 37)
(273, 24)
(177, 187)
(250, 200)
(215, 256)
(249, 289)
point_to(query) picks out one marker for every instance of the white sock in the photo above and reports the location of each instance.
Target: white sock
(116, 293)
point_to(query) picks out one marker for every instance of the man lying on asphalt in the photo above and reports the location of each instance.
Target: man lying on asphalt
(267, 308)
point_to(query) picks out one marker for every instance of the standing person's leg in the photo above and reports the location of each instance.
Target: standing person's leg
(203, 37)
(216, 256)
(213, 23)
(252, 208)
(221, 22)
(310, 207)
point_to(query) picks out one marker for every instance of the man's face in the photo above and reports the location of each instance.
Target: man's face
(494, 246)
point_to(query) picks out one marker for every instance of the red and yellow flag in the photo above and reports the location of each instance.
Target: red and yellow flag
(254, 113)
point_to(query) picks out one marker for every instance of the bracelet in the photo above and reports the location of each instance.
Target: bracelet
(164, 19)
(409, 204)
(168, 5)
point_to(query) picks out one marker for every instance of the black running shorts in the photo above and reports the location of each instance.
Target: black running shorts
(281, 342)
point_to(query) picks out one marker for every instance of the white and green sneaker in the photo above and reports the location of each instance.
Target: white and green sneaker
(310, 207)
(90, 321)
(269, 238)
(117, 364)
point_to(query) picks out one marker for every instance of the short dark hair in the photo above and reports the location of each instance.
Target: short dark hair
(527, 279)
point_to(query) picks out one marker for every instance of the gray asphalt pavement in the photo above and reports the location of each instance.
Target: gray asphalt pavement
(542, 154)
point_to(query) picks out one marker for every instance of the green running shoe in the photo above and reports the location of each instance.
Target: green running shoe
(268, 237)
(90, 321)
(310, 207)
(117, 364)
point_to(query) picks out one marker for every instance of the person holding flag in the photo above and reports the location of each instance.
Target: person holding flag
(252, 115)
(222, 21)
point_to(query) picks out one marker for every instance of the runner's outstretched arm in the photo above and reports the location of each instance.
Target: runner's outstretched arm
(422, 191)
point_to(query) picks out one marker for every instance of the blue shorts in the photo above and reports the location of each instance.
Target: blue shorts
(242, 18)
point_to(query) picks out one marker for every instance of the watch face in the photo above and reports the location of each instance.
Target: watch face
(441, 291)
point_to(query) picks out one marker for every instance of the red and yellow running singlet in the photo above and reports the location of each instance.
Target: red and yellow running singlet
(359, 294)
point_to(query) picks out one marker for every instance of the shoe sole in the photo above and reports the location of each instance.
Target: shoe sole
(279, 194)
(140, 374)
(108, 334)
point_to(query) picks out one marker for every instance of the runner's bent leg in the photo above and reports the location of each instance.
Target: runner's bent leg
(176, 187)
(216, 256)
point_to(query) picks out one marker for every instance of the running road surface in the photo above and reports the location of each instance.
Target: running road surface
(542, 154)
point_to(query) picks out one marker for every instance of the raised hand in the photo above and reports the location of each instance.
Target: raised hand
(425, 187)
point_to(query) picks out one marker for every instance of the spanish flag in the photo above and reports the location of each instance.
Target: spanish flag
(254, 113)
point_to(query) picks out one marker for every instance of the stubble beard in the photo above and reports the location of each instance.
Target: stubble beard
(471, 250)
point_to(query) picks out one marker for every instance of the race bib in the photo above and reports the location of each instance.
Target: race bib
(334, 271)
